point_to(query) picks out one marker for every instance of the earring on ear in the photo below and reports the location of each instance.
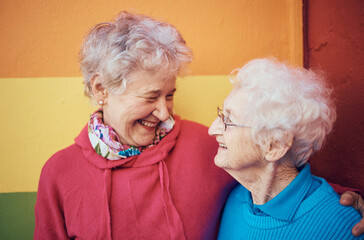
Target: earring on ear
(101, 103)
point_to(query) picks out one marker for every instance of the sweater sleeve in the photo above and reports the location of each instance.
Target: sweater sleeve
(340, 189)
(49, 217)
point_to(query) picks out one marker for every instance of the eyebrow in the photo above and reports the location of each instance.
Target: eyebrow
(157, 92)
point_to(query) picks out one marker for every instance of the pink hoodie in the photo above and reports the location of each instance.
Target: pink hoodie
(171, 191)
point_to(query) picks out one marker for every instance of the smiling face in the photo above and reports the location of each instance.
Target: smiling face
(237, 149)
(135, 114)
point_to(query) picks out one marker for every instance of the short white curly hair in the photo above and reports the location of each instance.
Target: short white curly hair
(285, 100)
(131, 43)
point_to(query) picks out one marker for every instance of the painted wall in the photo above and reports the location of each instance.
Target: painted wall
(41, 94)
(41, 91)
(336, 45)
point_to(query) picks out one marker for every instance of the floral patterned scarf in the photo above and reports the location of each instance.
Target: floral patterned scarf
(106, 142)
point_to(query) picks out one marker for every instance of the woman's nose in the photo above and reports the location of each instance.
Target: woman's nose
(216, 127)
(162, 110)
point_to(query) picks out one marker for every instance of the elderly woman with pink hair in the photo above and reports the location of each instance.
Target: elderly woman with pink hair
(272, 122)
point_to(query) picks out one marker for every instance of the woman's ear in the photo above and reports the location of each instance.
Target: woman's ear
(98, 90)
(277, 150)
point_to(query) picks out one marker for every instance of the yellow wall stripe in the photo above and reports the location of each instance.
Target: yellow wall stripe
(43, 115)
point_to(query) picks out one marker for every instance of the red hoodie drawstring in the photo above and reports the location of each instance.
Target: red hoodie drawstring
(174, 221)
(105, 221)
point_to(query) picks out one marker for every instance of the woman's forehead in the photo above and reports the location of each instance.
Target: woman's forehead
(154, 75)
(147, 83)
(235, 99)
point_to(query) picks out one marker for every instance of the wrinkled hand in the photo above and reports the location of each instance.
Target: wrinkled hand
(355, 200)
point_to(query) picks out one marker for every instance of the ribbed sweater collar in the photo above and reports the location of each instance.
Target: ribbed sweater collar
(292, 196)
(291, 207)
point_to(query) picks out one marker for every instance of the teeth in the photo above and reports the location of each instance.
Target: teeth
(222, 145)
(148, 124)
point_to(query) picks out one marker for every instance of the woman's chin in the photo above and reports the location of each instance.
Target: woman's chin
(143, 140)
(220, 160)
(143, 135)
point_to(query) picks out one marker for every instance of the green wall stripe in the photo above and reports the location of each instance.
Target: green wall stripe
(17, 215)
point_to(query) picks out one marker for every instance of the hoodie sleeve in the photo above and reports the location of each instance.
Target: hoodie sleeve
(49, 217)
(340, 189)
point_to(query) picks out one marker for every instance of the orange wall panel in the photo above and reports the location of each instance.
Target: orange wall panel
(42, 38)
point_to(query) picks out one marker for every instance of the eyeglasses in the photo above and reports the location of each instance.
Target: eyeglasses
(224, 120)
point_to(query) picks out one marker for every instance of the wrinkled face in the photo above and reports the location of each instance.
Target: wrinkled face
(237, 149)
(136, 113)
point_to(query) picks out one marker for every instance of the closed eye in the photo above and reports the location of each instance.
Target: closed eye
(152, 99)
(169, 97)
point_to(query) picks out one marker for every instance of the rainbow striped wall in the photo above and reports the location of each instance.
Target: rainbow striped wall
(41, 94)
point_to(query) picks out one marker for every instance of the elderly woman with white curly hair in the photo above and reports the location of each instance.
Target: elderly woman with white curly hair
(274, 119)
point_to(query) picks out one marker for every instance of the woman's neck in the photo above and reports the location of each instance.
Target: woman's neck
(265, 182)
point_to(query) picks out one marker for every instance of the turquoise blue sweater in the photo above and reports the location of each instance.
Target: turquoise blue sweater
(308, 208)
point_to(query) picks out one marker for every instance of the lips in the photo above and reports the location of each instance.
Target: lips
(147, 124)
(222, 145)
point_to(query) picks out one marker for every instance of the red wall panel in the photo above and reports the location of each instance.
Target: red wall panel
(334, 43)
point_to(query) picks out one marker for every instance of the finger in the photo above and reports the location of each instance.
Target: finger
(358, 229)
(348, 198)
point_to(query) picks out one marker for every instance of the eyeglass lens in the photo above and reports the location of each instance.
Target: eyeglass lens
(222, 116)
